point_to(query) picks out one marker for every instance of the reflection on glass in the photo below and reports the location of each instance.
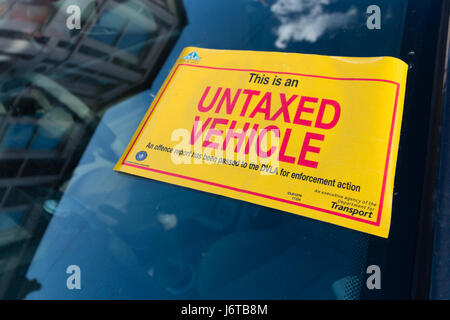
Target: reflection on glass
(307, 20)
(55, 84)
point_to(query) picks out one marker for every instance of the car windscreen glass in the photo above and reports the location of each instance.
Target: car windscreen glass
(71, 101)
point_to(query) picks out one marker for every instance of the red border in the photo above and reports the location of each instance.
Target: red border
(391, 134)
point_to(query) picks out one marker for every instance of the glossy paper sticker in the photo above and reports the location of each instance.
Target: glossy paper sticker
(311, 135)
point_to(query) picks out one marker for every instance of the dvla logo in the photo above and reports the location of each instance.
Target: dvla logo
(191, 56)
(141, 155)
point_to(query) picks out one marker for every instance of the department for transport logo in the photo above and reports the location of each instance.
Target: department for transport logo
(141, 155)
(191, 56)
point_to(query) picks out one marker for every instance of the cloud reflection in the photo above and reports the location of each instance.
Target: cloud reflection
(306, 20)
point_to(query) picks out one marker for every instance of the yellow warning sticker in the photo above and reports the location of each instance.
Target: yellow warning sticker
(311, 135)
